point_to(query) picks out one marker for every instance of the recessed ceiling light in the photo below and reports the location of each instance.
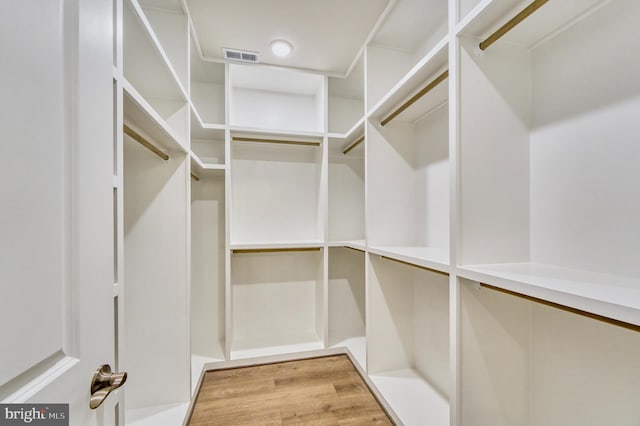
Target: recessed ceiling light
(281, 48)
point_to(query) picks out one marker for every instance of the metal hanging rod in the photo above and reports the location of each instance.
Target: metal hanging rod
(415, 266)
(439, 79)
(524, 14)
(280, 141)
(597, 317)
(144, 142)
(274, 250)
(353, 145)
(195, 177)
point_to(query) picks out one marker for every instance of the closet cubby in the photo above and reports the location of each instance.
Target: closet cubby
(156, 336)
(207, 146)
(408, 170)
(277, 301)
(277, 100)
(169, 24)
(346, 301)
(207, 290)
(526, 363)
(276, 197)
(149, 77)
(346, 190)
(548, 131)
(346, 100)
(207, 90)
(413, 29)
(408, 339)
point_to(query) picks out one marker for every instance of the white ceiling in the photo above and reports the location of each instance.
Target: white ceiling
(326, 35)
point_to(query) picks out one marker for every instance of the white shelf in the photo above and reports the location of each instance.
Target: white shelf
(352, 133)
(273, 346)
(200, 125)
(258, 245)
(354, 244)
(430, 65)
(413, 399)
(276, 133)
(608, 295)
(148, 28)
(143, 116)
(428, 257)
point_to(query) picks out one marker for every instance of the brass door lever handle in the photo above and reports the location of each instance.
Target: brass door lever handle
(103, 383)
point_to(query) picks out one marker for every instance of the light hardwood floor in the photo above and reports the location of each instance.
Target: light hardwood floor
(318, 391)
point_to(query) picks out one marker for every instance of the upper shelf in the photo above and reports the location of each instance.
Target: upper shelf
(607, 295)
(168, 24)
(146, 64)
(207, 89)
(139, 114)
(426, 70)
(552, 17)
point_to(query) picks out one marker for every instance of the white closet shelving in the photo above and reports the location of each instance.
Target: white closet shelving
(408, 167)
(476, 252)
(277, 302)
(346, 101)
(408, 339)
(408, 34)
(548, 202)
(153, 149)
(276, 192)
(150, 79)
(551, 112)
(207, 90)
(208, 270)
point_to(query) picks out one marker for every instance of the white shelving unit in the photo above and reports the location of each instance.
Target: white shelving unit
(346, 100)
(526, 363)
(408, 167)
(559, 204)
(277, 302)
(346, 207)
(515, 171)
(276, 99)
(207, 87)
(208, 272)
(408, 339)
(408, 34)
(346, 301)
(148, 71)
(276, 191)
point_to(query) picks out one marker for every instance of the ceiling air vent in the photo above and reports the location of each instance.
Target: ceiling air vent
(240, 55)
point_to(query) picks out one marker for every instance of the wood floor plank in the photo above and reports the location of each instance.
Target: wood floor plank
(317, 391)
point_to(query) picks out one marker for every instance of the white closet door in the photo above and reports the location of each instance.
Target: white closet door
(56, 220)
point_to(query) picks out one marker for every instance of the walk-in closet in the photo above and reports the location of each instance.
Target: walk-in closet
(446, 191)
